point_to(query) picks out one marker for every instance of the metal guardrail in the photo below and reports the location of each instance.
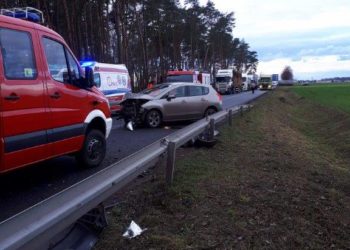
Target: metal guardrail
(35, 227)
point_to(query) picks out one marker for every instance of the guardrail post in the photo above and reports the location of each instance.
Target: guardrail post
(211, 129)
(241, 110)
(170, 166)
(230, 117)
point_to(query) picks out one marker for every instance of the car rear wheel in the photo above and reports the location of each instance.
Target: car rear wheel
(93, 151)
(209, 111)
(153, 118)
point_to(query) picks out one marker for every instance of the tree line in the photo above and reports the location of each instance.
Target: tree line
(149, 36)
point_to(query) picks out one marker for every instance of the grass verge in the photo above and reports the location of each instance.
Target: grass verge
(278, 179)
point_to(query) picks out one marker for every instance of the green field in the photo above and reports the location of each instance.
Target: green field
(336, 96)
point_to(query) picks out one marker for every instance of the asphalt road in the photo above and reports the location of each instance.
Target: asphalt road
(25, 187)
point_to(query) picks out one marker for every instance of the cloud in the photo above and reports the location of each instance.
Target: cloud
(308, 66)
(310, 35)
(344, 58)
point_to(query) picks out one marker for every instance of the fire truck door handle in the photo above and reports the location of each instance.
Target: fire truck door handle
(12, 97)
(55, 95)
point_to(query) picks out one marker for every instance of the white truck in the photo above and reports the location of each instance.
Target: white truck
(265, 82)
(246, 82)
(227, 81)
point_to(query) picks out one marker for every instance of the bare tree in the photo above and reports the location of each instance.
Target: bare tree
(287, 74)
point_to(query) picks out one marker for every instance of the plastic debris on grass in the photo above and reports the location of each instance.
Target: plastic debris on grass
(133, 231)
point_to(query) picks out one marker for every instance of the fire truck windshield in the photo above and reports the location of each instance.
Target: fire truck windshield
(180, 78)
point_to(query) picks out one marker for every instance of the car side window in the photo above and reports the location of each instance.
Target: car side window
(195, 90)
(73, 67)
(56, 60)
(205, 90)
(179, 91)
(18, 55)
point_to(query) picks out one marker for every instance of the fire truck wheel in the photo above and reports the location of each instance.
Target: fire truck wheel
(93, 151)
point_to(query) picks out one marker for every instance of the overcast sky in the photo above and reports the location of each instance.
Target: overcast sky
(312, 36)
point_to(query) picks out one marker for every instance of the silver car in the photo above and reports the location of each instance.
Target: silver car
(171, 102)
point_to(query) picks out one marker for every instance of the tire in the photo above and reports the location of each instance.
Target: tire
(209, 111)
(153, 118)
(93, 151)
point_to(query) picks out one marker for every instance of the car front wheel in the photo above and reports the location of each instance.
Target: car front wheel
(153, 118)
(93, 151)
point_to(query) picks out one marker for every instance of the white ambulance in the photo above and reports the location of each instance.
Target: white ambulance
(113, 80)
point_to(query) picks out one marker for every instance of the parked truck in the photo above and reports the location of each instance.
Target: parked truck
(274, 80)
(246, 82)
(265, 82)
(228, 81)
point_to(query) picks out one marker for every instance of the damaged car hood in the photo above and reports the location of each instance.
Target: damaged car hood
(140, 96)
(137, 98)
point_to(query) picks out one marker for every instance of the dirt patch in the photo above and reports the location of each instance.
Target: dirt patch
(275, 180)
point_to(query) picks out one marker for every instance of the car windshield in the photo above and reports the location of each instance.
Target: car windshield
(156, 90)
(180, 78)
(223, 79)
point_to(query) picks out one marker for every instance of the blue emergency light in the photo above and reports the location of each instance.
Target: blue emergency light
(87, 63)
(27, 13)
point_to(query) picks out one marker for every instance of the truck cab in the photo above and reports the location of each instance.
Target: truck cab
(265, 82)
(47, 107)
(224, 81)
(192, 76)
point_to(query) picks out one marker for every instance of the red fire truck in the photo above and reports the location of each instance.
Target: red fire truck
(188, 76)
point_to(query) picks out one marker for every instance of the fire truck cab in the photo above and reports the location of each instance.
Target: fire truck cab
(188, 76)
(47, 107)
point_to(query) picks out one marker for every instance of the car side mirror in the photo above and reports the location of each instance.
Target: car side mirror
(89, 78)
(170, 97)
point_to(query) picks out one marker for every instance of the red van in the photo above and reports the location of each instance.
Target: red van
(47, 108)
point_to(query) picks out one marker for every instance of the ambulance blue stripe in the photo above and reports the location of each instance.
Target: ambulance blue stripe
(115, 91)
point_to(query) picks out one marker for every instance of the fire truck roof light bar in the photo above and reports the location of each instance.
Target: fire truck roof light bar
(26, 13)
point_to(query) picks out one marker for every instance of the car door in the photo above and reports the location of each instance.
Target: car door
(68, 102)
(23, 105)
(196, 101)
(174, 109)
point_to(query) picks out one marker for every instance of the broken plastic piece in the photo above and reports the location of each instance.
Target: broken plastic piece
(133, 231)
(130, 126)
